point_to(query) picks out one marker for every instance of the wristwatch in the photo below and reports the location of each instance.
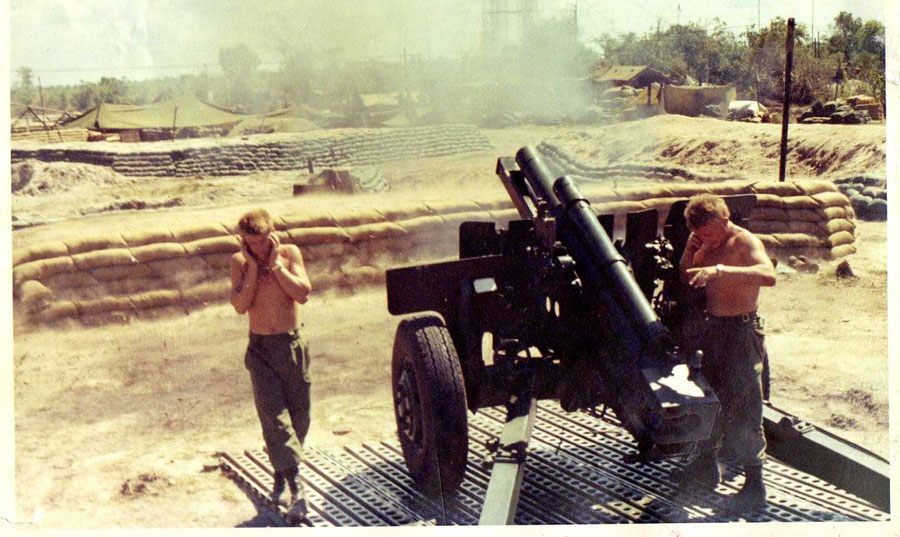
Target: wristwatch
(719, 268)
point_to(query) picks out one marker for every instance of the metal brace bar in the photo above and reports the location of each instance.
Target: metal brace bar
(814, 451)
(502, 496)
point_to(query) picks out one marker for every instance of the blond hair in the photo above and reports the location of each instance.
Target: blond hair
(705, 208)
(256, 222)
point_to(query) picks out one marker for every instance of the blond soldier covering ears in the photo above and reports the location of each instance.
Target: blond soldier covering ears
(269, 281)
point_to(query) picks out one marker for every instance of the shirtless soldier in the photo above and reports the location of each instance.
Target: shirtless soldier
(268, 280)
(731, 264)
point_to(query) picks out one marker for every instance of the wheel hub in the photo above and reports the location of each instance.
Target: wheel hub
(409, 420)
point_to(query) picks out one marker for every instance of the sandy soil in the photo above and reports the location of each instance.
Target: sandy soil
(117, 426)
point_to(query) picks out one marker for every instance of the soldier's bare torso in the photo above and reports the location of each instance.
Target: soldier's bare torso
(727, 298)
(272, 311)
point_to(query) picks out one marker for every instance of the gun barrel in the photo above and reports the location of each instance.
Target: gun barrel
(538, 176)
(603, 267)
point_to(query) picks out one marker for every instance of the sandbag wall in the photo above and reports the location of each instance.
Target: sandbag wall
(51, 136)
(114, 277)
(341, 147)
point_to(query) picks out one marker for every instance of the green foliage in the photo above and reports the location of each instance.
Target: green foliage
(754, 61)
(24, 93)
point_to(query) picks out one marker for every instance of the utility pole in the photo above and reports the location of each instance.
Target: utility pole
(786, 110)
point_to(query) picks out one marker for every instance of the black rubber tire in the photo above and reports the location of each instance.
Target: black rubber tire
(430, 404)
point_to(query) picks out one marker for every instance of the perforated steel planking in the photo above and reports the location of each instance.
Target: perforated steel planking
(577, 472)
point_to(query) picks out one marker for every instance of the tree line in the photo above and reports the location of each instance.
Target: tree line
(753, 61)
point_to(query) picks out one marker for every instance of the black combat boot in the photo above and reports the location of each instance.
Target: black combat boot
(702, 473)
(277, 488)
(297, 510)
(753, 494)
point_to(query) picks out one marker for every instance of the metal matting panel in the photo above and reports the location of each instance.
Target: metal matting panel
(578, 472)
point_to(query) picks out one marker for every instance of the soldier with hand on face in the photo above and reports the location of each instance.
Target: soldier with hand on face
(269, 282)
(731, 264)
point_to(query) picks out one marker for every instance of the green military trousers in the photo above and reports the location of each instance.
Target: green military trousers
(279, 372)
(733, 356)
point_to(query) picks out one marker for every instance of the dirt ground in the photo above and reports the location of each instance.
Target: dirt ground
(117, 426)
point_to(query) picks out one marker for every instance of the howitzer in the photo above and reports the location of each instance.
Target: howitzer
(549, 308)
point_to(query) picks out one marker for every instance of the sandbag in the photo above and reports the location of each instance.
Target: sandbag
(831, 199)
(306, 236)
(40, 251)
(155, 299)
(810, 228)
(643, 193)
(842, 250)
(422, 224)
(180, 272)
(767, 226)
(88, 244)
(103, 258)
(830, 213)
(839, 224)
(769, 213)
(804, 215)
(619, 207)
(315, 252)
(731, 188)
(451, 206)
(156, 252)
(306, 220)
(219, 261)
(121, 272)
(770, 200)
(840, 238)
(42, 268)
(797, 240)
(132, 286)
(503, 216)
(357, 217)
(34, 294)
(799, 202)
(369, 232)
(662, 205)
(206, 292)
(405, 212)
(814, 188)
(103, 305)
(62, 309)
(147, 236)
(213, 245)
(200, 231)
(777, 188)
(686, 190)
(498, 204)
(70, 280)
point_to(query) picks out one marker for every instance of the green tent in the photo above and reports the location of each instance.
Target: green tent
(181, 112)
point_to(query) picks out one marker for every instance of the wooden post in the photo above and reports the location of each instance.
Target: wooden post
(174, 119)
(786, 110)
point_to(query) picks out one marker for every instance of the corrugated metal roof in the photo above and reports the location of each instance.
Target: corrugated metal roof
(621, 72)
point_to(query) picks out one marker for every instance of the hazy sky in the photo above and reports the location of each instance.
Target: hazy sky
(64, 41)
